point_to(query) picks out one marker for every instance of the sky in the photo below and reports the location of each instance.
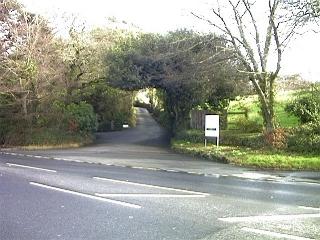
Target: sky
(161, 16)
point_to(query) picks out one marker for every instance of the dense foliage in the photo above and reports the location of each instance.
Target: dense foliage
(52, 88)
(185, 67)
(306, 106)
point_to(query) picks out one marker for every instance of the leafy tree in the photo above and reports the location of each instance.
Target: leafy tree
(184, 64)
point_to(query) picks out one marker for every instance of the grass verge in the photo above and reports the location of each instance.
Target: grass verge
(243, 156)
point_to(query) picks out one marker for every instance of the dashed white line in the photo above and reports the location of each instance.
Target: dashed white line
(274, 234)
(192, 172)
(309, 208)
(171, 170)
(125, 204)
(137, 167)
(150, 186)
(35, 168)
(150, 195)
(153, 169)
(269, 218)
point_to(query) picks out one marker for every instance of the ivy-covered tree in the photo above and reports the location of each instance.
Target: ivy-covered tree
(184, 64)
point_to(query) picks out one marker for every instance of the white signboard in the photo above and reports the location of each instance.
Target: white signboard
(212, 127)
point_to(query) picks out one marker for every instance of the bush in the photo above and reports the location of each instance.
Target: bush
(231, 138)
(81, 117)
(248, 125)
(234, 138)
(277, 138)
(306, 107)
(191, 135)
(306, 138)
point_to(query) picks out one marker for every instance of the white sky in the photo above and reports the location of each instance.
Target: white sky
(165, 15)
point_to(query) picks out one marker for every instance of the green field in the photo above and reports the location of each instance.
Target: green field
(244, 144)
(251, 104)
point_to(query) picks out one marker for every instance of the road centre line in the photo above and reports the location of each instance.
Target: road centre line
(125, 204)
(171, 170)
(35, 168)
(151, 186)
(250, 219)
(309, 208)
(149, 195)
(274, 234)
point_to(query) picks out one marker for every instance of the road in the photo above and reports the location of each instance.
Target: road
(129, 185)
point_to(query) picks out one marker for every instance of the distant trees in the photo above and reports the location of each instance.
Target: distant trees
(303, 11)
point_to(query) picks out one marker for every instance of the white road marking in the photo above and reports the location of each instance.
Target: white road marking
(171, 170)
(149, 195)
(309, 208)
(216, 175)
(255, 176)
(125, 204)
(35, 168)
(150, 168)
(274, 234)
(150, 186)
(269, 218)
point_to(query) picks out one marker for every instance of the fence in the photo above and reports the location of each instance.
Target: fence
(197, 118)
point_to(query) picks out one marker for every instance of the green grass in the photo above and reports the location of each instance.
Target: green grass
(251, 103)
(243, 148)
(243, 156)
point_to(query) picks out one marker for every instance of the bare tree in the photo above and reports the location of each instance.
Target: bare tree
(258, 33)
(27, 55)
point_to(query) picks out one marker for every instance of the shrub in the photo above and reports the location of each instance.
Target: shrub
(234, 138)
(277, 138)
(231, 138)
(81, 117)
(305, 138)
(248, 125)
(191, 135)
(306, 107)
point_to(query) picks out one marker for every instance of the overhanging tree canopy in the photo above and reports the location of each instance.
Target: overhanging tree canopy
(183, 63)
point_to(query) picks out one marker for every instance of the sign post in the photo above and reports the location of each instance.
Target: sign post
(211, 128)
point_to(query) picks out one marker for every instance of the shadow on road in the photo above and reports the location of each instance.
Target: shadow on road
(147, 133)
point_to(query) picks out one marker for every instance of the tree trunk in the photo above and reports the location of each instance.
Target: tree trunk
(266, 98)
(268, 119)
(24, 105)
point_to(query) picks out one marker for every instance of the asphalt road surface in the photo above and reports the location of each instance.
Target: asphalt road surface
(129, 185)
